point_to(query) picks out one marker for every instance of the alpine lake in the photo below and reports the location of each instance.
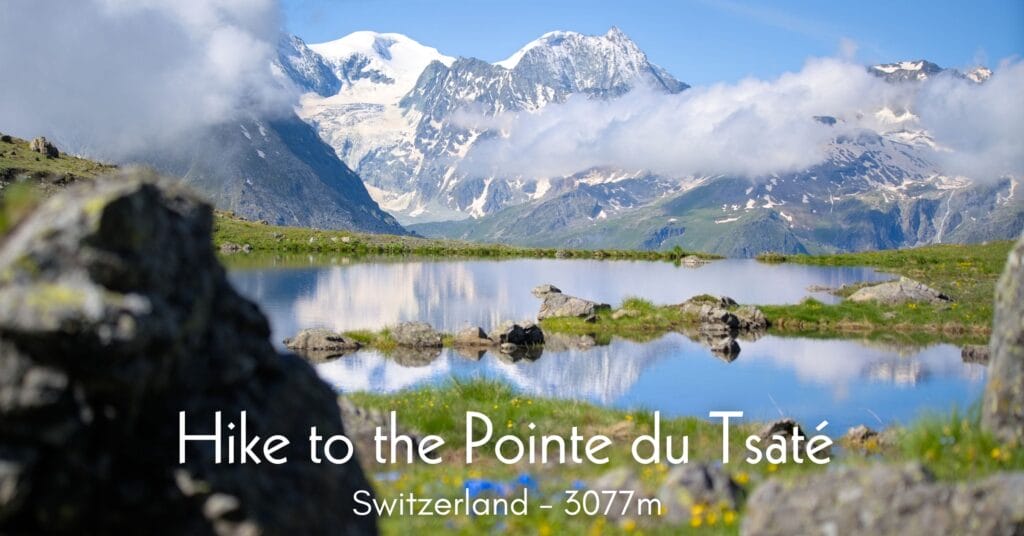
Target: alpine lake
(844, 381)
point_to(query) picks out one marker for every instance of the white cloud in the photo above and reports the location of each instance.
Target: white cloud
(983, 125)
(754, 127)
(110, 77)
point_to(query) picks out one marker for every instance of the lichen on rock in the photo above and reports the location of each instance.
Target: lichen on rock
(115, 316)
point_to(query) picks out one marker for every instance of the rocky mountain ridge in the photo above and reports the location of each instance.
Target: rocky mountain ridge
(406, 145)
(875, 188)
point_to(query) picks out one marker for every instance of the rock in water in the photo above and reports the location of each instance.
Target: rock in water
(525, 334)
(114, 316)
(555, 304)
(318, 344)
(1003, 413)
(320, 339)
(751, 318)
(884, 499)
(416, 335)
(897, 292)
(472, 336)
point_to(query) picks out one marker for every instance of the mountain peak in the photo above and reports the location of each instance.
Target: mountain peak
(979, 74)
(615, 33)
(903, 71)
(384, 46)
(572, 42)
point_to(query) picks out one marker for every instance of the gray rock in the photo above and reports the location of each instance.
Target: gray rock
(472, 337)
(416, 335)
(898, 292)
(318, 344)
(718, 317)
(114, 316)
(525, 334)
(750, 318)
(711, 299)
(43, 147)
(320, 339)
(861, 437)
(693, 261)
(975, 353)
(689, 485)
(619, 314)
(543, 290)
(555, 304)
(883, 499)
(1003, 412)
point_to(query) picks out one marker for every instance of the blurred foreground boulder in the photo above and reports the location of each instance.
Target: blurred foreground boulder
(1003, 412)
(114, 316)
(886, 499)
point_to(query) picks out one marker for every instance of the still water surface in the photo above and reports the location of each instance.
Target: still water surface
(846, 382)
(453, 294)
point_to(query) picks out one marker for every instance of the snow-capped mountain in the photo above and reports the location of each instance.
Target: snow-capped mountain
(405, 115)
(921, 70)
(874, 190)
(906, 70)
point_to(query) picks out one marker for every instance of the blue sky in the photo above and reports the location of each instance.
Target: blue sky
(699, 41)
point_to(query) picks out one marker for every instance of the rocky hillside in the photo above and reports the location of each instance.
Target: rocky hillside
(276, 170)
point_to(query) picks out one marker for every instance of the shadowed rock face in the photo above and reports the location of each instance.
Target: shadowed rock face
(1003, 413)
(114, 316)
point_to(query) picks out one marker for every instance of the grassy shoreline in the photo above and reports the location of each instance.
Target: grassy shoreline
(916, 325)
(952, 446)
(966, 272)
(261, 237)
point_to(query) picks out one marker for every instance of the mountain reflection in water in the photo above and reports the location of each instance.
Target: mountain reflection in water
(453, 294)
(846, 382)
